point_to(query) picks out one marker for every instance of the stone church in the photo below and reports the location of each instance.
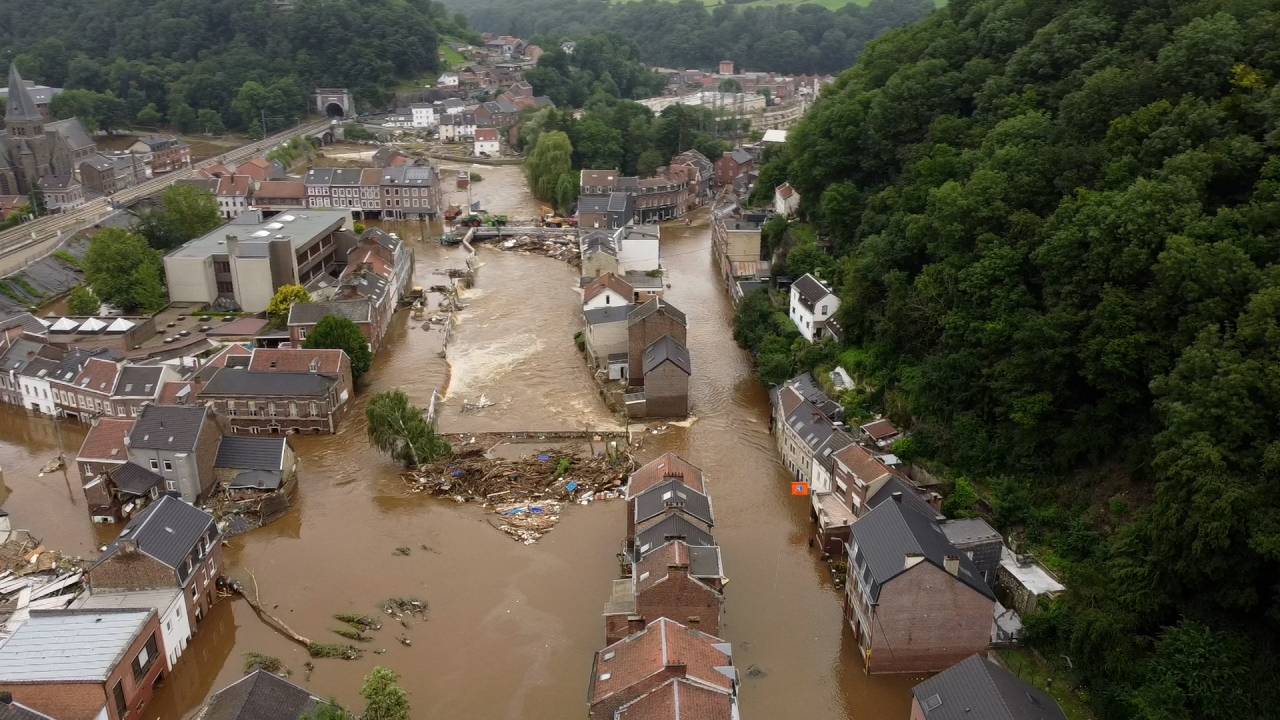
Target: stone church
(34, 151)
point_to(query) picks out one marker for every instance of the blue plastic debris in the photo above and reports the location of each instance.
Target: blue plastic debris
(571, 485)
(536, 510)
(514, 511)
(456, 473)
(543, 457)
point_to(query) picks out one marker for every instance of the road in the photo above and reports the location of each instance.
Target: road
(32, 240)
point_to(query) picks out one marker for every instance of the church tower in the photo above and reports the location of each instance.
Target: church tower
(30, 149)
(21, 117)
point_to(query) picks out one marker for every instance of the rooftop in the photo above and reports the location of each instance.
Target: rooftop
(664, 643)
(105, 440)
(69, 645)
(892, 533)
(251, 453)
(978, 689)
(672, 495)
(168, 427)
(665, 466)
(260, 695)
(299, 228)
(167, 530)
(681, 699)
(672, 527)
(241, 382)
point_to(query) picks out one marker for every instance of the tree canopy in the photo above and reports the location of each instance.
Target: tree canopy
(384, 699)
(284, 299)
(784, 37)
(185, 213)
(551, 159)
(401, 430)
(599, 63)
(338, 333)
(206, 65)
(125, 272)
(1055, 227)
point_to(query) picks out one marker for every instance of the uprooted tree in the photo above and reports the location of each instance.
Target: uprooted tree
(401, 430)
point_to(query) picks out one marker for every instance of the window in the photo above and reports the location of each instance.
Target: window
(168, 466)
(146, 657)
(171, 485)
(155, 464)
(117, 693)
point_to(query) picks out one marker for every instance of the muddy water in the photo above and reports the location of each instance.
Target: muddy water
(512, 628)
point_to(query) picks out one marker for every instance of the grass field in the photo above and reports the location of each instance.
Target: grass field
(1027, 666)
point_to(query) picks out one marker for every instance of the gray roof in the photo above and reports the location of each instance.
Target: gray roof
(16, 358)
(319, 176)
(347, 176)
(813, 427)
(240, 382)
(642, 280)
(17, 711)
(672, 496)
(890, 532)
(674, 527)
(69, 645)
(664, 349)
(257, 479)
(71, 130)
(825, 453)
(139, 381)
(420, 175)
(657, 305)
(158, 600)
(30, 323)
(167, 530)
(593, 203)
(298, 227)
(251, 453)
(134, 479)
(19, 103)
(357, 311)
(260, 695)
(967, 531)
(811, 290)
(740, 156)
(168, 427)
(978, 689)
(910, 495)
(607, 314)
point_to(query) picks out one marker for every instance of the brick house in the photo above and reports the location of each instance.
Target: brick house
(978, 688)
(732, 166)
(860, 479)
(676, 581)
(681, 698)
(280, 195)
(666, 380)
(914, 602)
(669, 497)
(282, 390)
(647, 324)
(178, 443)
(659, 470)
(170, 544)
(664, 650)
(303, 318)
(104, 449)
(162, 153)
(84, 664)
(803, 419)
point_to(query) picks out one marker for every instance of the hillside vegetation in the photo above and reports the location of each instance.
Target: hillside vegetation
(181, 57)
(1056, 228)
(784, 38)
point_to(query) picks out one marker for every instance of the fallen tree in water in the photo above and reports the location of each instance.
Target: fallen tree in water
(527, 493)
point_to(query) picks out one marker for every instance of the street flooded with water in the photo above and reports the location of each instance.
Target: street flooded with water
(511, 628)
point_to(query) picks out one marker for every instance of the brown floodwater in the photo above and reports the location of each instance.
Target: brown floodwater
(512, 628)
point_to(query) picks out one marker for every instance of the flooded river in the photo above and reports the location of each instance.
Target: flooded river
(512, 628)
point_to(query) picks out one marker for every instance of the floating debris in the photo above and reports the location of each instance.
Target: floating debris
(401, 551)
(401, 608)
(330, 650)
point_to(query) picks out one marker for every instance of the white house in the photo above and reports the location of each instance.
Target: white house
(607, 290)
(811, 304)
(37, 394)
(786, 201)
(424, 115)
(486, 142)
(456, 127)
(449, 79)
(399, 118)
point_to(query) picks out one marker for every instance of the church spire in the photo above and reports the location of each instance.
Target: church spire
(21, 108)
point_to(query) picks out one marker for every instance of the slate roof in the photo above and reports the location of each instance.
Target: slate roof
(19, 103)
(664, 643)
(967, 531)
(607, 314)
(134, 479)
(664, 349)
(825, 453)
(347, 176)
(17, 711)
(673, 527)
(978, 689)
(357, 311)
(168, 427)
(811, 290)
(891, 531)
(657, 305)
(319, 176)
(105, 440)
(593, 203)
(910, 495)
(251, 453)
(69, 645)
(167, 530)
(139, 381)
(672, 496)
(30, 323)
(260, 695)
(240, 382)
(327, 361)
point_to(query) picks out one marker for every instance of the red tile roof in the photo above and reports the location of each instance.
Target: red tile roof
(288, 189)
(98, 375)
(679, 699)
(169, 392)
(235, 185)
(105, 441)
(608, 281)
(667, 465)
(235, 350)
(863, 463)
(663, 645)
(296, 360)
(486, 134)
(880, 429)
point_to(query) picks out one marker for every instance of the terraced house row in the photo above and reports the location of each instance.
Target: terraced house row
(662, 659)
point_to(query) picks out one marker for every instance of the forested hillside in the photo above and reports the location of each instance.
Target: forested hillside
(784, 38)
(184, 56)
(1056, 228)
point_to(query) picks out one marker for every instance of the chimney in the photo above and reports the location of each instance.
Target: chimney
(635, 623)
(910, 560)
(128, 546)
(952, 564)
(6, 697)
(897, 496)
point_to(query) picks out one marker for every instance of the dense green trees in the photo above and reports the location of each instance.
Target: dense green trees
(82, 301)
(1056, 229)
(783, 37)
(283, 301)
(203, 66)
(550, 162)
(185, 213)
(124, 271)
(600, 63)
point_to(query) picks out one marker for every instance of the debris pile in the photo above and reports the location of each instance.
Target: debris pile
(402, 608)
(527, 493)
(558, 248)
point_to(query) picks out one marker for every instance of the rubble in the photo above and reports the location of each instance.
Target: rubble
(527, 493)
(401, 608)
(557, 248)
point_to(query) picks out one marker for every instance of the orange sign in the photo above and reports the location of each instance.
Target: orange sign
(799, 488)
